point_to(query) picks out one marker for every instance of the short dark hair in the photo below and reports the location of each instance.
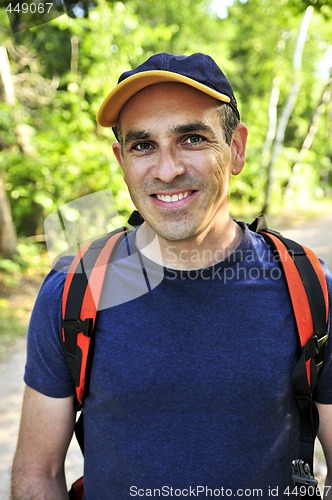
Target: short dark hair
(229, 121)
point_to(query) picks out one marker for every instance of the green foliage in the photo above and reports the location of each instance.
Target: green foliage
(19, 283)
(262, 51)
(63, 69)
(323, 7)
(13, 325)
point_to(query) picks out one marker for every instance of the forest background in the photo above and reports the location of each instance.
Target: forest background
(53, 77)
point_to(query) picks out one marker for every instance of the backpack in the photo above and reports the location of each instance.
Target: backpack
(309, 296)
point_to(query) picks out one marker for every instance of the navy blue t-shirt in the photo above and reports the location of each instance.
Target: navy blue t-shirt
(191, 390)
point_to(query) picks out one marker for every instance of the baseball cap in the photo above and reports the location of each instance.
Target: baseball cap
(197, 70)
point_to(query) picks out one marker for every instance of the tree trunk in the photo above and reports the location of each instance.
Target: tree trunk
(7, 231)
(6, 77)
(289, 106)
(313, 128)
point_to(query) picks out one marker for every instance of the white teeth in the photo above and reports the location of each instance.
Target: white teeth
(175, 197)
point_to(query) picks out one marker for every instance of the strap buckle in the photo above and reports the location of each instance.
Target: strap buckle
(301, 474)
(315, 348)
(321, 344)
(78, 325)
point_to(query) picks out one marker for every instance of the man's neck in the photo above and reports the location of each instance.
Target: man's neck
(198, 252)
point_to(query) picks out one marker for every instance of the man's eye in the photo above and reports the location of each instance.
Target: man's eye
(193, 139)
(142, 147)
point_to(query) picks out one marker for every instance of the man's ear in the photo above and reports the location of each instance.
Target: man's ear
(117, 150)
(238, 146)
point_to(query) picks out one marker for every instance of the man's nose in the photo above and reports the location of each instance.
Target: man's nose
(168, 166)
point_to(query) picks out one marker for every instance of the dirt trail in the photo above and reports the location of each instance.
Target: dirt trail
(317, 235)
(11, 391)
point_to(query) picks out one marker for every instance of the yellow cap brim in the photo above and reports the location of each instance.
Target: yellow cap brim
(112, 105)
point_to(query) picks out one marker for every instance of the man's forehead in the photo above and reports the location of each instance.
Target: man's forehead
(165, 94)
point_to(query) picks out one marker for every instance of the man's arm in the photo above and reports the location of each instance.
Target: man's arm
(46, 429)
(325, 437)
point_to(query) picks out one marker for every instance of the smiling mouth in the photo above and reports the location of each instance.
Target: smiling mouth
(172, 198)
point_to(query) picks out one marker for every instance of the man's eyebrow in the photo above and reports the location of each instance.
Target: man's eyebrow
(136, 135)
(187, 128)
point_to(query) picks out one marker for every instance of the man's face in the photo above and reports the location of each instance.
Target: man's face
(175, 160)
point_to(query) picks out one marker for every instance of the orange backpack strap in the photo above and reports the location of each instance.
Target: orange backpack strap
(81, 295)
(309, 296)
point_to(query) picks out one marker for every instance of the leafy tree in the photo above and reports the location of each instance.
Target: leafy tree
(63, 69)
(262, 50)
(62, 73)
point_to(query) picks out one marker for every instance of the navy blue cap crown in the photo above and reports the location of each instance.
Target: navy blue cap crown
(199, 67)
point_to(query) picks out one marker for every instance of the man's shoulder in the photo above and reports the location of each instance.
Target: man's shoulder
(53, 283)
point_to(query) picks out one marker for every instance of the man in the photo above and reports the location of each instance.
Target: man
(191, 391)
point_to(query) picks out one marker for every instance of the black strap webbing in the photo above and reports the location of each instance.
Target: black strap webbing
(313, 350)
